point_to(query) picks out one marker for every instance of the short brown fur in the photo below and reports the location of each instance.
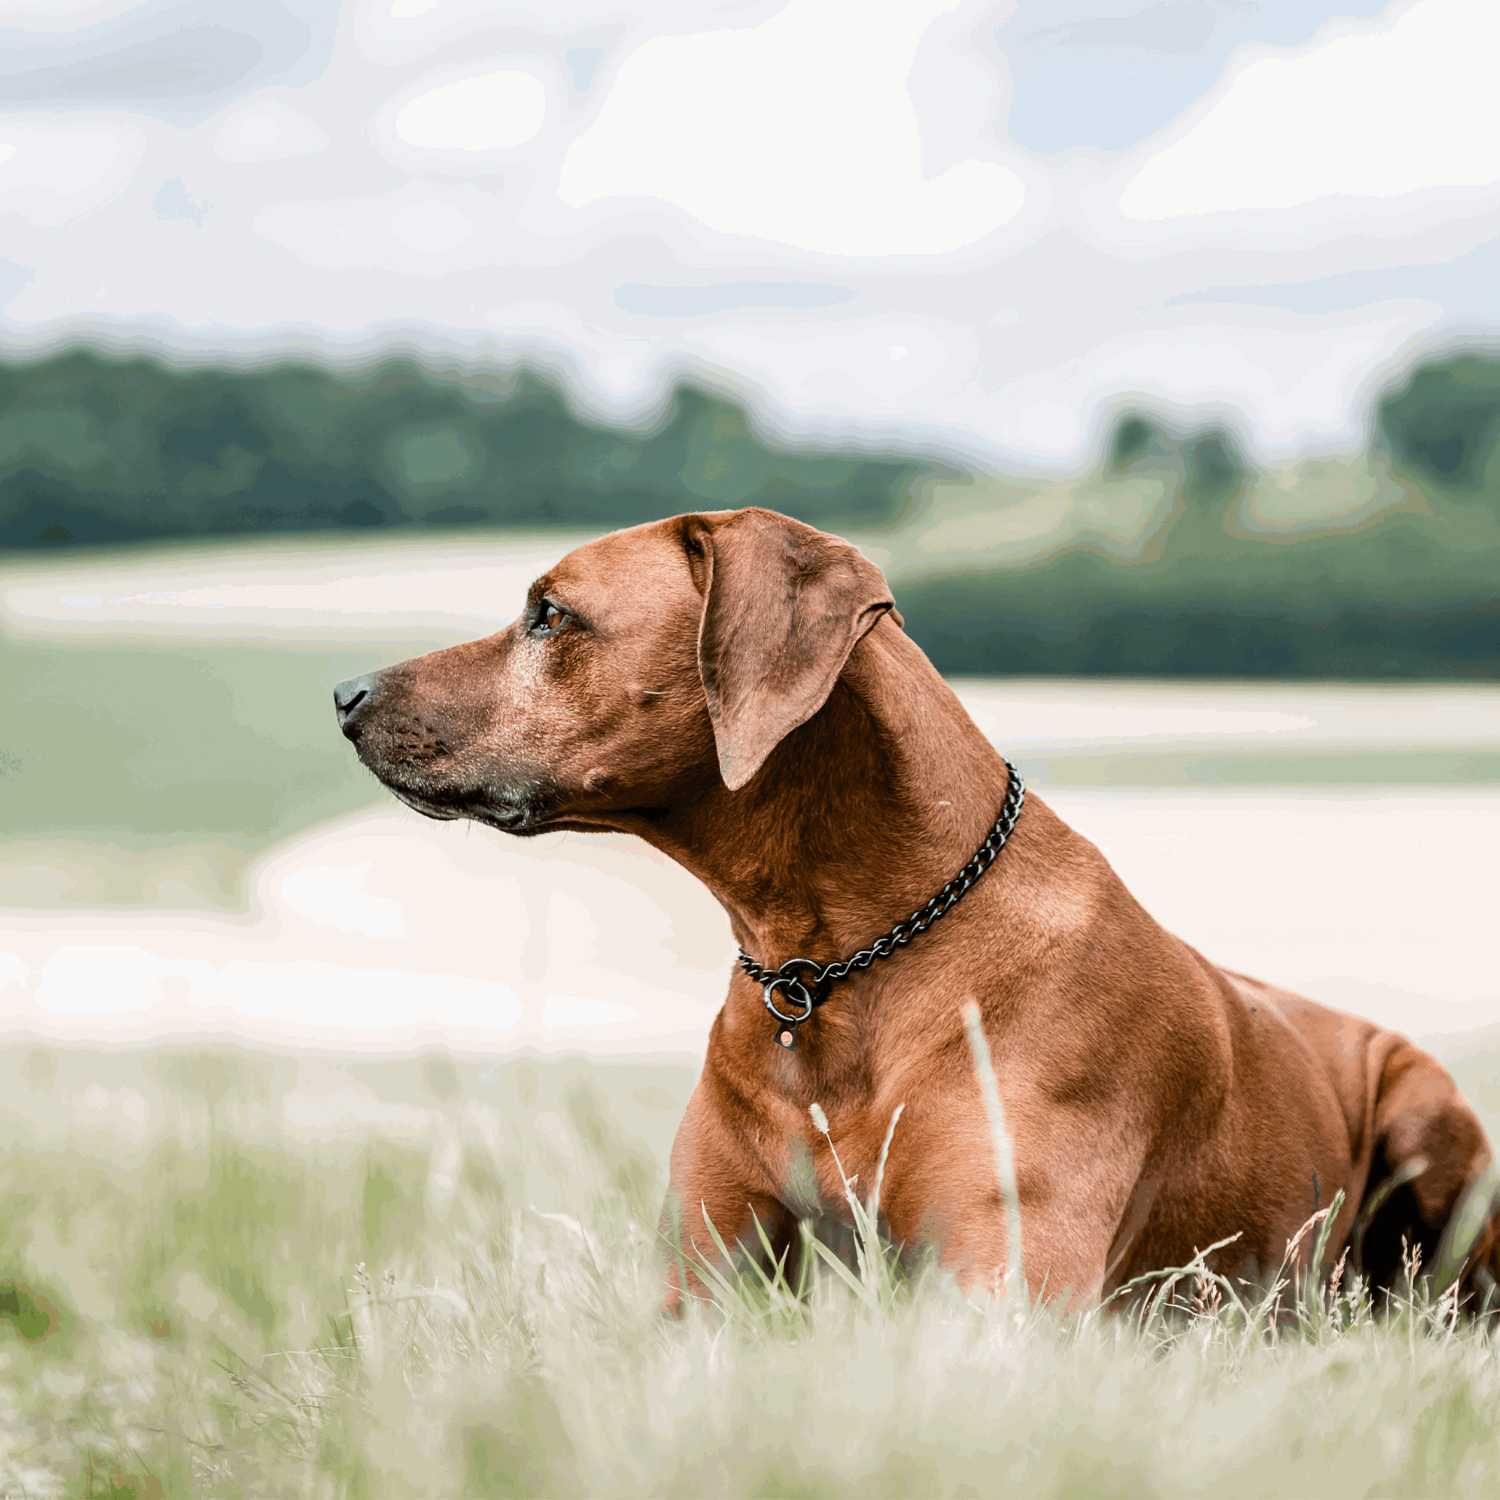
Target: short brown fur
(736, 689)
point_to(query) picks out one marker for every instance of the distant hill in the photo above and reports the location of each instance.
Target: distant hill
(99, 450)
(1174, 555)
(1385, 564)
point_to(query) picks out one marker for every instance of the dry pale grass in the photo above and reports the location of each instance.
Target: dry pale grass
(512, 1348)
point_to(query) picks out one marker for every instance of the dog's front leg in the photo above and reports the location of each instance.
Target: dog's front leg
(717, 1194)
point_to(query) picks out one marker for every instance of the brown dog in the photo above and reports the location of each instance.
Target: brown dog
(736, 688)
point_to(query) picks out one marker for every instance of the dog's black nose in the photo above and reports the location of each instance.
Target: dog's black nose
(350, 699)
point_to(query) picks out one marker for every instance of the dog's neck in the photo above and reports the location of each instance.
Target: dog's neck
(856, 818)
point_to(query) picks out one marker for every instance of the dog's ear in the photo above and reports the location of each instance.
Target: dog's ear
(783, 606)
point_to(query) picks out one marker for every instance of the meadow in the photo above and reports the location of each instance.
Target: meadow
(285, 1266)
(461, 1299)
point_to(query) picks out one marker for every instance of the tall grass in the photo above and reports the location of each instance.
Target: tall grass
(511, 1348)
(1005, 1162)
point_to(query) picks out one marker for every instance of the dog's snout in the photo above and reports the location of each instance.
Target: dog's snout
(350, 700)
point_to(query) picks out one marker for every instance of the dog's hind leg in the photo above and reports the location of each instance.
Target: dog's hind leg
(1431, 1185)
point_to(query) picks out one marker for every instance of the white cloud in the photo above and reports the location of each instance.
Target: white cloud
(1371, 116)
(808, 129)
(1299, 374)
(432, 228)
(901, 368)
(60, 15)
(268, 131)
(618, 368)
(492, 112)
(394, 33)
(53, 174)
(410, 231)
(800, 130)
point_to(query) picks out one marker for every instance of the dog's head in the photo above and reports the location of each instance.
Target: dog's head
(646, 667)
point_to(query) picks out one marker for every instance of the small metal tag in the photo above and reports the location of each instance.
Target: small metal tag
(787, 1038)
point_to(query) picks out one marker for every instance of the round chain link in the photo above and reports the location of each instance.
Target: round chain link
(804, 983)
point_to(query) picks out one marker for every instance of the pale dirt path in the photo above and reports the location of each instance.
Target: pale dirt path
(382, 931)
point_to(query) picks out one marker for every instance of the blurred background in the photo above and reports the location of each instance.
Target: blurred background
(1149, 348)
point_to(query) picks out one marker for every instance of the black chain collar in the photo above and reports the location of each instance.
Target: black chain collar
(805, 983)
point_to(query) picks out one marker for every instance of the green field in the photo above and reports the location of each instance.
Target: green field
(226, 1272)
(229, 1271)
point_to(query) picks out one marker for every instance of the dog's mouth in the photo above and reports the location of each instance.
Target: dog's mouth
(521, 814)
(511, 809)
(517, 802)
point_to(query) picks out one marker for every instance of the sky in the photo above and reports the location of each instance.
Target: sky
(976, 229)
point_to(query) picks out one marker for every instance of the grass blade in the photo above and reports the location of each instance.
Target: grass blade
(1005, 1165)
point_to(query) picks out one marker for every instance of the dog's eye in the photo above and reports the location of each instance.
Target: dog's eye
(549, 619)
